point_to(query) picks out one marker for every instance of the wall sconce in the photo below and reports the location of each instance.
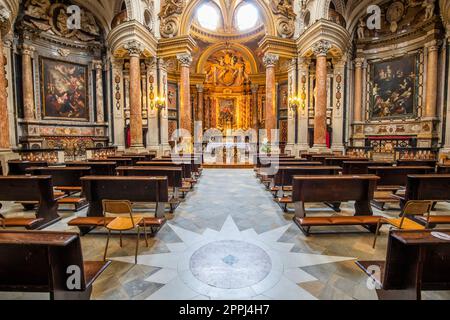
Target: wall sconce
(294, 102)
(159, 103)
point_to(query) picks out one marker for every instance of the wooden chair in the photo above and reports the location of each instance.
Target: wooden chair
(119, 208)
(412, 208)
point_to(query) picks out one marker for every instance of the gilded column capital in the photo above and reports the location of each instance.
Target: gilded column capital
(270, 60)
(321, 48)
(185, 59)
(200, 88)
(359, 62)
(134, 48)
(97, 64)
(28, 50)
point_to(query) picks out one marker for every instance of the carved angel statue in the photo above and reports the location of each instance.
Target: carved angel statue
(284, 7)
(38, 9)
(88, 23)
(429, 9)
(171, 7)
(361, 28)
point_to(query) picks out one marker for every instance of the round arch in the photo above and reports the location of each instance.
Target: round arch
(188, 16)
(221, 46)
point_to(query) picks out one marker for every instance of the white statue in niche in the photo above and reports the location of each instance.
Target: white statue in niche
(429, 9)
(361, 28)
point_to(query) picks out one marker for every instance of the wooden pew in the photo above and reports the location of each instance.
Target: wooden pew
(173, 174)
(415, 261)
(282, 181)
(119, 161)
(361, 167)
(19, 167)
(196, 162)
(418, 162)
(310, 156)
(442, 168)
(134, 158)
(134, 189)
(104, 168)
(67, 180)
(391, 180)
(337, 189)
(338, 161)
(266, 173)
(37, 189)
(434, 187)
(186, 165)
(40, 261)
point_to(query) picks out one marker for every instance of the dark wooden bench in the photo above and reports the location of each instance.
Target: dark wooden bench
(40, 261)
(338, 161)
(134, 158)
(284, 177)
(186, 165)
(267, 171)
(104, 168)
(120, 161)
(38, 189)
(67, 180)
(361, 167)
(135, 189)
(18, 167)
(415, 261)
(418, 162)
(433, 187)
(317, 156)
(391, 180)
(173, 174)
(442, 168)
(335, 189)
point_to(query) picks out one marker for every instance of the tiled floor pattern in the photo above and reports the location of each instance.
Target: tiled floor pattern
(230, 240)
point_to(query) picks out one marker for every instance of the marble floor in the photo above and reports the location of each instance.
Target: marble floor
(230, 240)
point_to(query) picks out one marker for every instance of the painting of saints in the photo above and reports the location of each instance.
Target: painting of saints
(64, 90)
(393, 88)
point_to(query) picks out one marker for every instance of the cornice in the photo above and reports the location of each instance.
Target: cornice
(131, 31)
(213, 36)
(326, 30)
(285, 48)
(177, 45)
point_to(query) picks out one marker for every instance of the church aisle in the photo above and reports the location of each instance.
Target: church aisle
(229, 240)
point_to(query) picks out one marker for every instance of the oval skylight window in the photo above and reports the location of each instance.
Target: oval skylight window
(208, 16)
(247, 16)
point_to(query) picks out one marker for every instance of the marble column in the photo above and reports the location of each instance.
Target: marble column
(338, 104)
(4, 119)
(303, 87)
(321, 49)
(185, 95)
(358, 99)
(98, 65)
(27, 82)
(432, 82)
(135, 49)
(270, 60)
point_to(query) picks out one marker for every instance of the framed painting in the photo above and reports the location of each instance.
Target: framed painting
(393, 88)
(64, 90)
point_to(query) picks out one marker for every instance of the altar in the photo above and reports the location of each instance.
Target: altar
(230, 149)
